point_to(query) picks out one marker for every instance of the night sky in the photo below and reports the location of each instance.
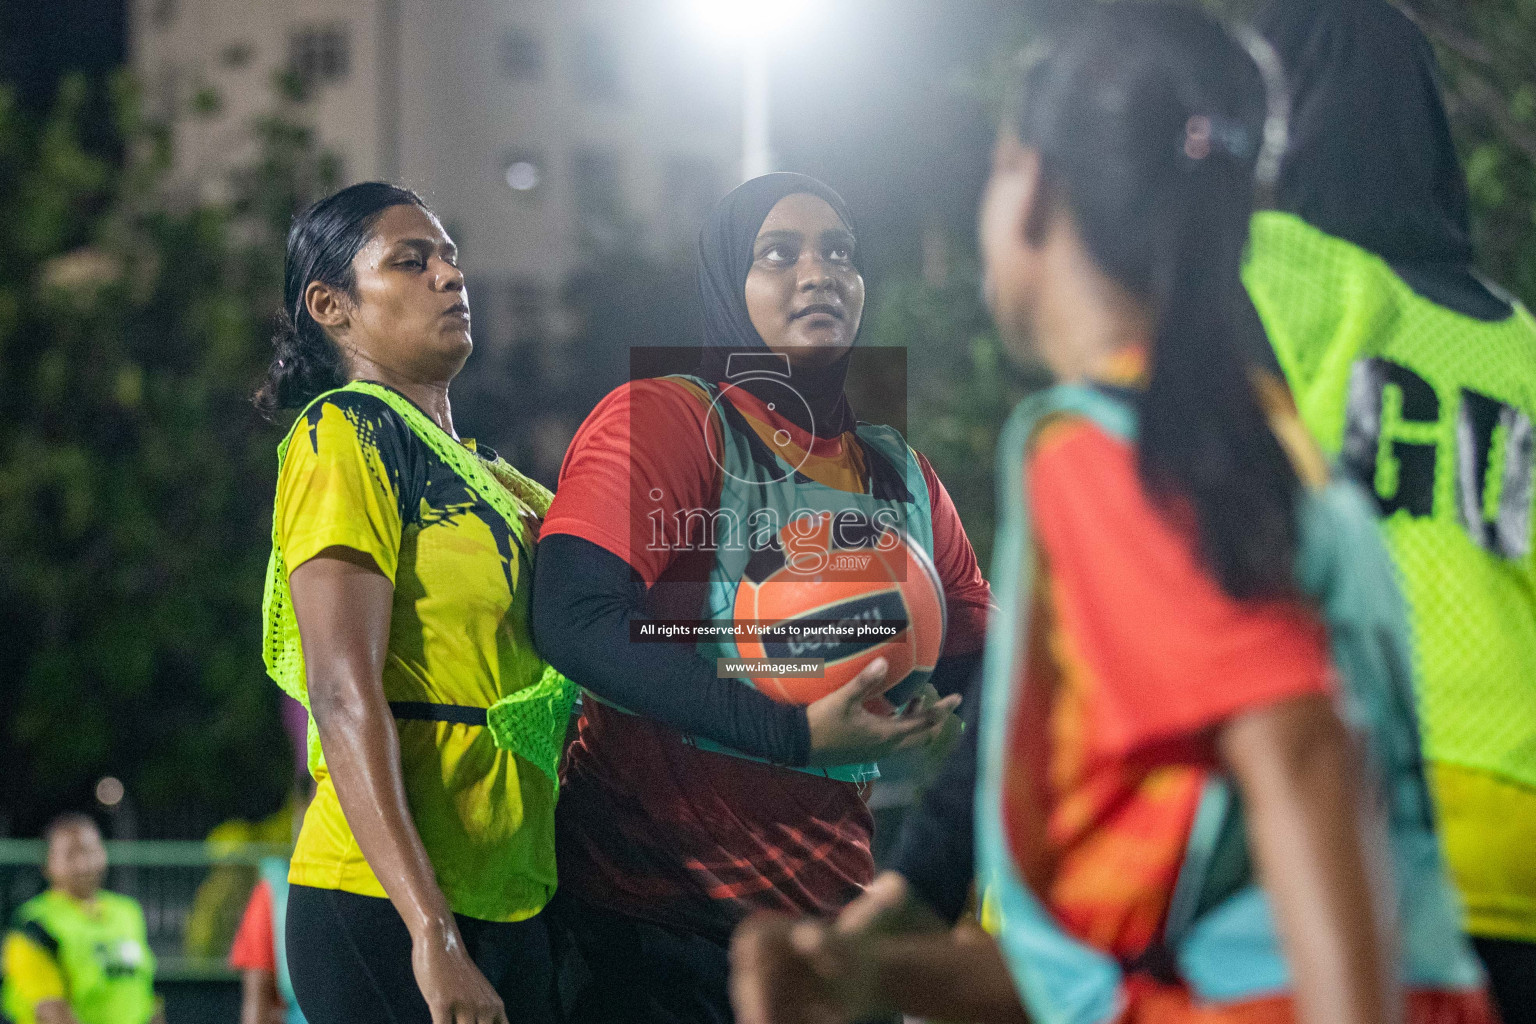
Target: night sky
(882, 100)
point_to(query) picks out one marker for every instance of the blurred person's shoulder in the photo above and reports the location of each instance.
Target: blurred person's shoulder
(31, 910)
(119, 904)
(1074, 466)
(1069, 435)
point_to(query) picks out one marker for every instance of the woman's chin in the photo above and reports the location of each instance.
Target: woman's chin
(451, 350)
(457, 340)
(817, 347)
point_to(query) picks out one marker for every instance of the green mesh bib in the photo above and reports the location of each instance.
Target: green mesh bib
(1432, 412)
(108, 966)
(531, 721)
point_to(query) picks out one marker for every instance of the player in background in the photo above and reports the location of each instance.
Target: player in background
(78, 954)
(259, 951)
(1421, 379)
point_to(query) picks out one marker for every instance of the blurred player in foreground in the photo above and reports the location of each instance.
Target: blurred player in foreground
(78, 954)
(1187, 796)
(1365, 280)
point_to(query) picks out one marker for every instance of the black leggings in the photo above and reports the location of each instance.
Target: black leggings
(349, 958)
(635, 972)
(1511, 976)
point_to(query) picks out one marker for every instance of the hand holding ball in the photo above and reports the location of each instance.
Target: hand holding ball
(890, 581)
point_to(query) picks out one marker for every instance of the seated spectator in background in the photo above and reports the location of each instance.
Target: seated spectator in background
(266, 994)
(78, 954)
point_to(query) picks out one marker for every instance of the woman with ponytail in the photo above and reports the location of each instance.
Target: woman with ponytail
(396, 610)
(1199, 796)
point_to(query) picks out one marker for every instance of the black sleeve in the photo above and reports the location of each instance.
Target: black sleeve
(935, 851)
(953, 674)
(41, 936)
(584, 599)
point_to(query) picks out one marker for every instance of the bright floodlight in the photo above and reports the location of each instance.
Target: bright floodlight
(109, 791)
(523, 175)
(747, 19)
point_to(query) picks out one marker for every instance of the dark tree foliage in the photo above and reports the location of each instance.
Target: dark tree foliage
(135, 479)
(526, 395)
(1488, 51)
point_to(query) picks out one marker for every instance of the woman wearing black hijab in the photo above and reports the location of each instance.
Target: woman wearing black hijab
(690, 801)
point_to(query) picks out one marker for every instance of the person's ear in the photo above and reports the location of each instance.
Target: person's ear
(1034, 197)
(1025, 205)
(327, 305)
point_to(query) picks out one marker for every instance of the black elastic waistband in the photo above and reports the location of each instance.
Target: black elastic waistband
(421, 711)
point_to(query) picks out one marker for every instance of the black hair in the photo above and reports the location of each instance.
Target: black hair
(1148, 119)
(68, 820)
(322, 243)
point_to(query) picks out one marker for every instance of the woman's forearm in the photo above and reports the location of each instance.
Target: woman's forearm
(259, 998)
(362, 751)
(54, 1011)
(343, 609)
(584, 599)
(1307, 822)
(786, 970)
(953, 975)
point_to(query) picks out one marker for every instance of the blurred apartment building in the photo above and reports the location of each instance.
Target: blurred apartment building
(540, 130)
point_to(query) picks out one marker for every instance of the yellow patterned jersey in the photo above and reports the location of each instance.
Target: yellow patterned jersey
(356, 475)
